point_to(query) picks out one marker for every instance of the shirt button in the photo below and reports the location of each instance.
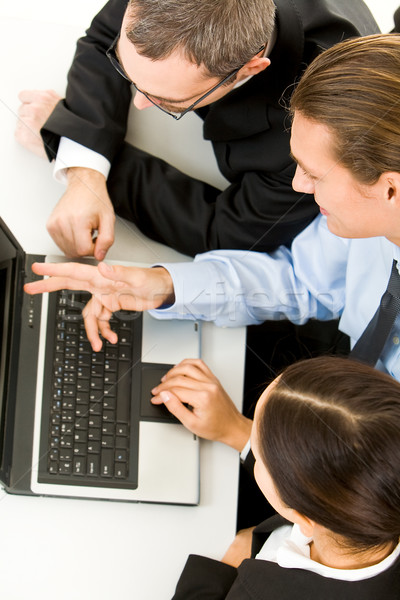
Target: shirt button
(396, 340)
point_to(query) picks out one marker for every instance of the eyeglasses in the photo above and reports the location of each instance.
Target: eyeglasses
(113, 58)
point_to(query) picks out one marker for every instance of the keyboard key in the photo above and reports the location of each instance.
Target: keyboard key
(81, 423)
(111, 352)
(95, 421)
(96, 396)
(94, 447)
(94, 434)
(83, 372)
(54, 454)
(66, 454)
(124, 393)
(110, 365)
(125, 353)
(121, 455)
(80, 436)
(109, 415)
(121, 442)
(97, 370)
(107, 463)
(93, 465)
(80, 450)
(109, 403)
(82, 410)
(107, 428)
(67, 416)
(110, 390)
(95, 409)
(66, 441)
(65, 467)
(120, 470)
(107, 441)
(67, 428)
(96, 383)
(79, 465)
(82, 397)
(68, 404)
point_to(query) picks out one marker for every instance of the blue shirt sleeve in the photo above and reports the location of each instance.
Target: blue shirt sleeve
(235, 287)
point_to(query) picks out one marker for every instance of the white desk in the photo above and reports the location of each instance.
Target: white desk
(94, 549)
(84, 549)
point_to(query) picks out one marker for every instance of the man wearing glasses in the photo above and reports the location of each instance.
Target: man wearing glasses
(230, 61)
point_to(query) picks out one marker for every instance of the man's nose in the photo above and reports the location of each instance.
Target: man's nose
(302, 183)
(141, 102)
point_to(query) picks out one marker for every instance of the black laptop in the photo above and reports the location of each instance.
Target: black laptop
(78, 423)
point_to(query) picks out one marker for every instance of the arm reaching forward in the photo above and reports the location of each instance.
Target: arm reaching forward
(113, 288)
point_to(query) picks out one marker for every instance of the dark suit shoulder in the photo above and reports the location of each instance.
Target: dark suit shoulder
(259, 579)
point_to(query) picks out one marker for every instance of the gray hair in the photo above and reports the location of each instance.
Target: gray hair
(221, 35)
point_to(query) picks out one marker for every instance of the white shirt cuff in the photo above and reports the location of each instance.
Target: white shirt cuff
(72, 154)
(245, 451)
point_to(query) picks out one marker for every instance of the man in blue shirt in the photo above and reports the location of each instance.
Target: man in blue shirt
(338, 266)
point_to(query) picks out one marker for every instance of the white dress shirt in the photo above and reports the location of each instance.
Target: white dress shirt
(288, 547)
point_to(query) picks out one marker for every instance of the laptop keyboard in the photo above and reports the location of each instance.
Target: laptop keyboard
(90, 414)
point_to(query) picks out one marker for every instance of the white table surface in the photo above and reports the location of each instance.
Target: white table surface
(84, 549)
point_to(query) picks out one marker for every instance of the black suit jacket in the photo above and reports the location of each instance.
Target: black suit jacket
(248, 129)
(203, 578)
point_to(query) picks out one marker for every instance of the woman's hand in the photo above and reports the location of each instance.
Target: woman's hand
(194, 395)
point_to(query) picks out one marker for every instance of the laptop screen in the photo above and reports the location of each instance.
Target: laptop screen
(11, 257)
(4, 320)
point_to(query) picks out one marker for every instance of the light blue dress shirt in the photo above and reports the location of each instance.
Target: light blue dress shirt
(322, 276)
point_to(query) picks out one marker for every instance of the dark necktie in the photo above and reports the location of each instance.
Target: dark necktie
(370, 345)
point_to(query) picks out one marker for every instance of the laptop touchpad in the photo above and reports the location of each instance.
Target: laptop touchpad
(151, 376)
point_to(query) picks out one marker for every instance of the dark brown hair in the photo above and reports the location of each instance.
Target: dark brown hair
(329, 434)
(354, 89)
(219, 34)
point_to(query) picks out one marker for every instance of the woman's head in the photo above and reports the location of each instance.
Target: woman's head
(354, 89)
(328, 433)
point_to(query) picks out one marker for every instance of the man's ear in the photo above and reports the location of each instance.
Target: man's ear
(253, 67)
(390, 182)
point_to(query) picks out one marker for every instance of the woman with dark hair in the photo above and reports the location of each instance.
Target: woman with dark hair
(326, 439)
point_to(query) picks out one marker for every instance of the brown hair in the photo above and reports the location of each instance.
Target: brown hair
(354, 89)
(222, 35)
(329, 434)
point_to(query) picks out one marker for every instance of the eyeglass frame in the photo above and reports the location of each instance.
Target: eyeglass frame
(113, 58)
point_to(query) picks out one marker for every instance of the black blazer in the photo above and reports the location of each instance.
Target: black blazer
(204, 578)
(248, 129)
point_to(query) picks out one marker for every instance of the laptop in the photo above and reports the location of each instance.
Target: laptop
(75, 423)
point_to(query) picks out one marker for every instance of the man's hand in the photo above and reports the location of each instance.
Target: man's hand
(85, 208)
(240, 549)
(36, 107)
(212, 414)
(113, 288)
